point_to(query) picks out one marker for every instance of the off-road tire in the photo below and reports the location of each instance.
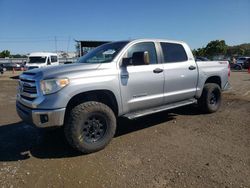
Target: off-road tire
(77, 128)
(210, 99)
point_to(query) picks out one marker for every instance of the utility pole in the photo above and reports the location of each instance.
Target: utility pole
(56, 43)
(68, 44)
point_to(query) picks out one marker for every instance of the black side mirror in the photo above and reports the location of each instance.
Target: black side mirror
(126, 61)
(140, 58)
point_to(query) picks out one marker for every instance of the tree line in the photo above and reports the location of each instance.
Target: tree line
(220, 48)
(6, 53)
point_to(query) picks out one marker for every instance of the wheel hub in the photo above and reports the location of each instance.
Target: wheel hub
(94, 128)
(213, 99)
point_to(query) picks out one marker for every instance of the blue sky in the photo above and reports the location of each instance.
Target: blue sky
(33, 25)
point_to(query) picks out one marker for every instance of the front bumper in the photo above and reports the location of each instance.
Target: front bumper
(41, 118)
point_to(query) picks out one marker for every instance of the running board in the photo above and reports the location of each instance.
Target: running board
(141, 113)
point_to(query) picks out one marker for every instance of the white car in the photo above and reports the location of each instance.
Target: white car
(41, 59)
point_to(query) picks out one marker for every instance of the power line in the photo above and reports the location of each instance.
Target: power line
(31, 37)
(30, 41)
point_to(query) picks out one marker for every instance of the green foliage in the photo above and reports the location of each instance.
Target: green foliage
(219, 47)
(18, 56)
(239, 50)
(5, 53)
(215, 48)
(199, 52)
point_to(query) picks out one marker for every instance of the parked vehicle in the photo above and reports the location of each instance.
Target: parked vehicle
(127, 78)
(41, 59)
(246, 63)
(243, 62)
(235, 66)
(11, 66)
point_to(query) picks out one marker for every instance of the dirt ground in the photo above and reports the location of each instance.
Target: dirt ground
(180, 148)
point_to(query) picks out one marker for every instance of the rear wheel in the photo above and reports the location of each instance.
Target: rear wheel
(210, 99)
(90, 127)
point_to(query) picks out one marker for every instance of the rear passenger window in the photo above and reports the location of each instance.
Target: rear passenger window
(53, 59)
(173, 52)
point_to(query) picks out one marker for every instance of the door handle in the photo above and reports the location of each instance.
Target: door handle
(158, 70)
(191, 67)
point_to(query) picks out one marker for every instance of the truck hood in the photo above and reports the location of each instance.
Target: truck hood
(61, 70)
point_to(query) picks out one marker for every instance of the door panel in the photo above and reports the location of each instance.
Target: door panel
(180, 71)
(140, 87)
(180, 81)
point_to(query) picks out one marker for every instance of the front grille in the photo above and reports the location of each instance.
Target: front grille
(27, 98)
(28, 89)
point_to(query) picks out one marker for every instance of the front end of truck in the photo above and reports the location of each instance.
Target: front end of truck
(30, 96)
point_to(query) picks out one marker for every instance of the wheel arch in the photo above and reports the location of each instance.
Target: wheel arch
(104, 96)
(214, 79)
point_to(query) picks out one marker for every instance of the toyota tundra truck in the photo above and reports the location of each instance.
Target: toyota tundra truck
(127, 78)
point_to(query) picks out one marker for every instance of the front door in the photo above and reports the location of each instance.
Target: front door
(142, 85)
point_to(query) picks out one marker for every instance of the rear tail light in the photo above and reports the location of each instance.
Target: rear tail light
(229, 72)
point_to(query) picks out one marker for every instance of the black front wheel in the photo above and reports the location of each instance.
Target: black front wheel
(210, 99)
(90, 126)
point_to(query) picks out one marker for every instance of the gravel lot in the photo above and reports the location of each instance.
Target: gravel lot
(180, 148)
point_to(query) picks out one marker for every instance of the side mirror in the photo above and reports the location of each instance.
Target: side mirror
(140, 58)
(126, 61)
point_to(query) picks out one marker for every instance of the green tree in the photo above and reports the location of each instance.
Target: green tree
(5, 53)
(201, 52)
(219, 47)
(216, 47)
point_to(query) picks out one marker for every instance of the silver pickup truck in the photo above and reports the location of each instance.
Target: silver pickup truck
(126, 78)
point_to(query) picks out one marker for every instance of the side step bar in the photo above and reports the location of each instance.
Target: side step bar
(141, 113)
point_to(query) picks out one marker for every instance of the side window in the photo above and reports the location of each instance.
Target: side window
(173, 52)
(53, 59)
(144, 46)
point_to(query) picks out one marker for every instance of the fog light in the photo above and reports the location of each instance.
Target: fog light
(44, 118)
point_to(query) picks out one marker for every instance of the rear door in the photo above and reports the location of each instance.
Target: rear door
(142, 85)
(180, 73)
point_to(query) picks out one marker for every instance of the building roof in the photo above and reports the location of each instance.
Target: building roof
(91, 43)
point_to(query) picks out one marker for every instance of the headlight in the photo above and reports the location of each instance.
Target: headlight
(53, 85)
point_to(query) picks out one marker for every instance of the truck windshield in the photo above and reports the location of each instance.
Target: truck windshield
(104, 53)
(37, 59)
